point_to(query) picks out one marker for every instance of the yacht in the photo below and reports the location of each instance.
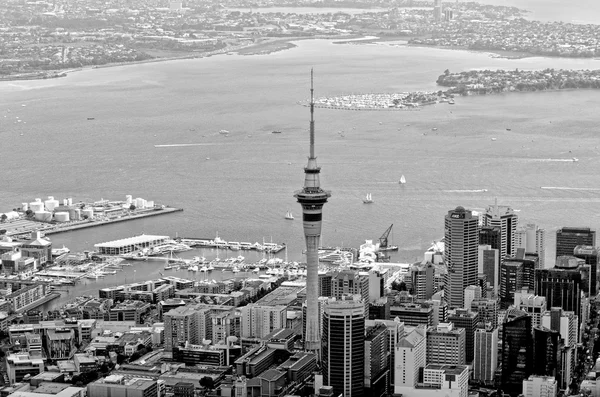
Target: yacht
(204, 269)
(368, 199)
(289, 215)
(234, 246)
(402, 180)
(210, 267)
(193, 268)
(60, 251)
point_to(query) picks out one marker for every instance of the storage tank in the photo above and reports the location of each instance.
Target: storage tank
(129, 199)
(61, 216)
(24, 206)
(74, 214)
(51, 204)
(36, 206)
(88, 212)
(69, 201)
(43, 216)
(149, 204)
(65, 202)
(140, 202)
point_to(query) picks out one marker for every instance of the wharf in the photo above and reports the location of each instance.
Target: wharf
(49, 228)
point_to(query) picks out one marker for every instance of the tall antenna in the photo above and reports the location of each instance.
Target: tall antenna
(312, 116)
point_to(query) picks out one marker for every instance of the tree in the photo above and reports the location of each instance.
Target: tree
(2, 232)
(29, 213)
(3, 218)
(132, 207)
(207, 382)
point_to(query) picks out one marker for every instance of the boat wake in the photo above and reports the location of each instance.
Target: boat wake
(571, 160)
(467, 191)
(569, 188)
(185, 144)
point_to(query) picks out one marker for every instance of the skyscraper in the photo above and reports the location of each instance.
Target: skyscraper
(343, 361)
(547, 352)
(590, 255)
(533, 240)
(568, 238)
(446, 344)
(517, 351)
(410, 357)
(504, 217)
(461, 242)
(312, 198)
(486, 354)
(561, 285)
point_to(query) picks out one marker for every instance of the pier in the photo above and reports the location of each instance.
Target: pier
(22, 228)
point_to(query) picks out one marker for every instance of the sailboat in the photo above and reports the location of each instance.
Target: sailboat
(288, 215)
(368, 199)
(402, 180)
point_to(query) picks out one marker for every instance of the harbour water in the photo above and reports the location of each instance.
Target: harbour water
(242, 185)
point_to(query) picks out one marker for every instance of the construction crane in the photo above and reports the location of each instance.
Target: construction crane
(383, 241)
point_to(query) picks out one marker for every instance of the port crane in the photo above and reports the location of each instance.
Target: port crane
(383, 241)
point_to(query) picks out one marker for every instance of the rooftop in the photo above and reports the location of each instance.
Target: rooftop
(448, 369)
(68, 391)
(141, 239)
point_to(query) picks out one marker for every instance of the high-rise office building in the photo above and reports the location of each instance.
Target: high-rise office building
(259, 321)
(506, 219)
(446, 344)
(590, 255)
(488, 263)
(343, 347)
(350, 282)
(421, 275)
(547, 352)
(376, 285)
(466, 319)
(540, 386)
(517, 351)
(184, 324)
(511, 281)
(487, 309)
(568, 238)
(560, 285)
(485, 360)
(567, 324)
(395, 331)
(377, 361)
(472, 292)
(533, 305)
(410, 357)
(533, 239)
(461, 242)
(492, 236)
(312, 198)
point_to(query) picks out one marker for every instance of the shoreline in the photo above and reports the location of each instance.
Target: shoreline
(271, 45)
(268, 46)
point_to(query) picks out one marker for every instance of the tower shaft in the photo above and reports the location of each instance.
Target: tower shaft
(312, 198)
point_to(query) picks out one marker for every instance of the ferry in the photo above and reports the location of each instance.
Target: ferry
(246, 246)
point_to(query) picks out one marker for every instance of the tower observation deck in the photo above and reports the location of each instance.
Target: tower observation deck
(312, 198)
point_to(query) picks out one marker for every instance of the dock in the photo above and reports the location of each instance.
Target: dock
(55, 228)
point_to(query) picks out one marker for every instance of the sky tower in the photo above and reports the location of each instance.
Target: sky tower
(312, 198)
